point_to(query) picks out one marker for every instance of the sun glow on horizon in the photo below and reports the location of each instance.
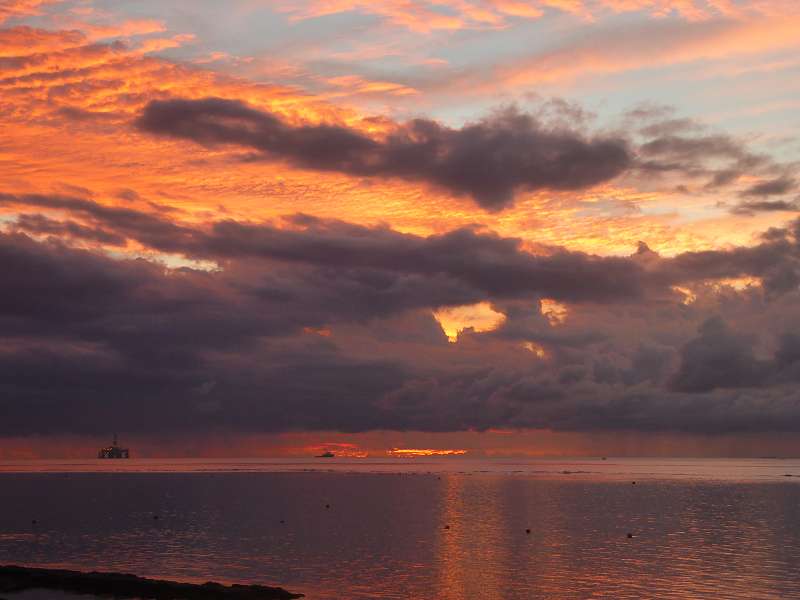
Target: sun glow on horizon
(417, 452)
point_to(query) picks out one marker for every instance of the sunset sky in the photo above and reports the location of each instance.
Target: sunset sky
(511, 227)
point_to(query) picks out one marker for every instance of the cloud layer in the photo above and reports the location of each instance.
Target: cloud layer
(316, 324)
(188, 249)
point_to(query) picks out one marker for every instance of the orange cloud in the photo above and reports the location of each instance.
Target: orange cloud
(128, 28)
(704, 9)
(353, 85)
(18, 8)
(25, 41)
(159, 44)
(649, 45)
(66, 105)
(555, 312)
(415, 16)
(427, 16)
(476, 317)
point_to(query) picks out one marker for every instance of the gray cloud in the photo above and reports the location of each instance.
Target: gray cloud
(40, 225)
(755, 206)
(477, 263)
(682, 148)
(718, 358)
(773, 187)
(489, 160)
(487, 265)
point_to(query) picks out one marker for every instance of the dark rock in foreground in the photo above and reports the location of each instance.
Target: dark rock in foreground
(121, 585)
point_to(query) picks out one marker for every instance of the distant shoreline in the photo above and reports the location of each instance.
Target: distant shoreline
(121, 585)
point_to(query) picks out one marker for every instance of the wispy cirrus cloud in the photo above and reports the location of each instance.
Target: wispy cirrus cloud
(650, 44)
(426, 16)
(10, 9)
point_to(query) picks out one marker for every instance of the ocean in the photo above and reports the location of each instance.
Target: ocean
(425, 528)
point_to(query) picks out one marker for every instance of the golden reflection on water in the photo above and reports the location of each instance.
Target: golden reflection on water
(472, 557)
(684, 544)
(484, 548)
(431, 536)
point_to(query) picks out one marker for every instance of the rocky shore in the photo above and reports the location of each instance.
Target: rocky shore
(122, 585)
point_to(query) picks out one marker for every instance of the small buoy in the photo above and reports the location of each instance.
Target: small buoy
(447, 526)
(327, 506)
(282, 521)
(33, 521)
(527, 531)
(633, 483)
(155, 517)
(630, 535)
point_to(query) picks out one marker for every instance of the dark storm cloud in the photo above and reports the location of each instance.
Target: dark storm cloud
(493, 265)
(479, 400)
(718, 358)
(498, 267)
(776, 261)
(48, 390)
(145, 227)
(489, 160)
(523, 324)
(89, 343)
(467, 263)
(492, 159)
(52, 290)
(787, 358)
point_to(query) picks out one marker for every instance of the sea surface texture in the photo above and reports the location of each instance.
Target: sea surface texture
(449, 529)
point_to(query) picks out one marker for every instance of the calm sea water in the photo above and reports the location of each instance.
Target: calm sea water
(447, 529)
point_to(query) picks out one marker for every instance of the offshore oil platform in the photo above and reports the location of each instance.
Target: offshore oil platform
(113, 451)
